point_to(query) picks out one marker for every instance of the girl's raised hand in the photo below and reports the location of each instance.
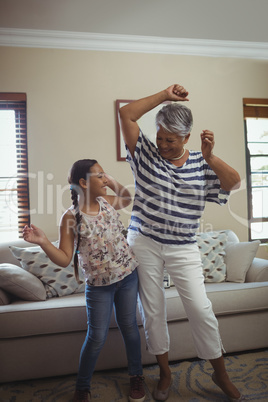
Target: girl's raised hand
(33, 234)
(177, 92)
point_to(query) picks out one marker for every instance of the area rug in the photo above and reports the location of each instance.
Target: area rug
(191, 381)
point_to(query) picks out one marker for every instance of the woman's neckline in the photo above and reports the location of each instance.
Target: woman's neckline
(187, 153)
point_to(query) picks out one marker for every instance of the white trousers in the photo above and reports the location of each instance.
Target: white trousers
(183, 263)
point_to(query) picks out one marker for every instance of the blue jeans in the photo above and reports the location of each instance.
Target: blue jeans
(100, 301)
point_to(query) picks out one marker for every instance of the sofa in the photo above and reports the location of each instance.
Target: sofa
(43, 315)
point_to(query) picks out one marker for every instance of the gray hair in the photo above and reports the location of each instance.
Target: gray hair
(175, 118)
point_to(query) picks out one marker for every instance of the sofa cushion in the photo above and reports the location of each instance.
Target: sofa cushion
(226, 297)
(5, 297)
(57, 315)
(211, 246)
(58, 281)
(6, 256)
(232, 237)
(67, 314)
(237, 298)
(238, 259)
(21, 283)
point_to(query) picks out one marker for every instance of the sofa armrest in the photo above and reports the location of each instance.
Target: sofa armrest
(258, 271)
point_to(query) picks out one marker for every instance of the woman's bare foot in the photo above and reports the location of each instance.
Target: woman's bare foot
(165, 372)
(164, 381)
(226, 385)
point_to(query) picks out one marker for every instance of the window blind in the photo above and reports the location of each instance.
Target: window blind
(20, 184)
(256, 108)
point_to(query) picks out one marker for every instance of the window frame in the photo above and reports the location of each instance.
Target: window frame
(253, 108)
(18, 103)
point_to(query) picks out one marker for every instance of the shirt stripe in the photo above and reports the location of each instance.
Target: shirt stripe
(169, 200)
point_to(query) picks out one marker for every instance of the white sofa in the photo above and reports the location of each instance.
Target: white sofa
(42, 338)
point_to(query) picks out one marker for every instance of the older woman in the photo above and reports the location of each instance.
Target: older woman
(172, 186)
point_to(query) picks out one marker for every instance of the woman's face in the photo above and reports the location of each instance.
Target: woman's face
(170, 145)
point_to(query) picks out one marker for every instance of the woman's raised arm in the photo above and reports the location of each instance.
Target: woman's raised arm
(133, 111)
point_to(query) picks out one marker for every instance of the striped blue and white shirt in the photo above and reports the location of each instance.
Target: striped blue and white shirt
(169, 200)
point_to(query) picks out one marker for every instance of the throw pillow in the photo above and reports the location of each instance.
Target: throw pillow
(21, 283)
(58, 281)
(238, 259)
(211, 246)
(4, 298)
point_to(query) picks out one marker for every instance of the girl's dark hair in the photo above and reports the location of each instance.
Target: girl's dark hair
(79, 170)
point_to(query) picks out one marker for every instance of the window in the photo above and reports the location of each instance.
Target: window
(256, 131)
(14, 189)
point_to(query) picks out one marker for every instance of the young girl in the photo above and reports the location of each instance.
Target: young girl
(92, 225)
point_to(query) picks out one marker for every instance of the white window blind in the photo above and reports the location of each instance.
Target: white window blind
(14, 187)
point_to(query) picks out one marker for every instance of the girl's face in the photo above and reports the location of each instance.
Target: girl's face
(170, 145)
(96, 182)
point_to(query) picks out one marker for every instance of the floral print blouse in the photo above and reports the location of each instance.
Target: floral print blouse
(104, 254)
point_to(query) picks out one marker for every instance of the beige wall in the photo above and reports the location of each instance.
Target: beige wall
(208, 19)
(71, 115)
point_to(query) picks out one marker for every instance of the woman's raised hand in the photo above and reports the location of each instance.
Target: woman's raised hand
(207, 143)
(177, 92)
(33, 234)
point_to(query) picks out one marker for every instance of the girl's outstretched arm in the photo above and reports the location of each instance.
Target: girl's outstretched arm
(61, 256)
(133, 111)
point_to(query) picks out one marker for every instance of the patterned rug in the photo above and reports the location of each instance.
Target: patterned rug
(191, 382)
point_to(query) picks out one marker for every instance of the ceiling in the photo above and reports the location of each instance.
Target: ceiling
(227, 20)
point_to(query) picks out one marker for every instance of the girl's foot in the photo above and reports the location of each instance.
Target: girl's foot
(228, 388)
(136, 393)
(81, 395)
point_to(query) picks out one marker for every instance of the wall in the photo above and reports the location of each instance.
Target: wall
(181, 19)
(71, 115)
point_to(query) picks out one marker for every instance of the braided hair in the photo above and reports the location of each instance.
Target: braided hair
(79, 170)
